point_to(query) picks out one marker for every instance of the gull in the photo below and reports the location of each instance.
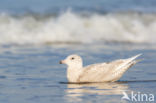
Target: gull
(100, 72)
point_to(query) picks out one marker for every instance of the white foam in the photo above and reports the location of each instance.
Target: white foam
(72, 27)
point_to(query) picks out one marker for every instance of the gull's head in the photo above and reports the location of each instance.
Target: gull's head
(72, 61)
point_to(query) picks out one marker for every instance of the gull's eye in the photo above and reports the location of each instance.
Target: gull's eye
(72, 58)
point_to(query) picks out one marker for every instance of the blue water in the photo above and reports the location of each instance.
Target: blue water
(36, 34)
(55, 6)
(31, 74)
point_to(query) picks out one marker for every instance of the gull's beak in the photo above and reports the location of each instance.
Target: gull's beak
(62, 62)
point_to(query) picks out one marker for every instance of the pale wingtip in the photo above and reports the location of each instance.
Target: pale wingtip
(137, 55)
(134, 57)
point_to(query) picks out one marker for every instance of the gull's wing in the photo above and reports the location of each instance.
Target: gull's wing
(104, 72)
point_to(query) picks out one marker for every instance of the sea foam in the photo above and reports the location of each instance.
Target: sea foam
(70, 27)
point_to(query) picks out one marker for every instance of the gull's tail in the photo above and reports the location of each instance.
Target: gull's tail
(133, 58)
(129, 62)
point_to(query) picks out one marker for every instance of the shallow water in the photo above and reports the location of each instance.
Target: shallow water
(36, 34)
(30, 74)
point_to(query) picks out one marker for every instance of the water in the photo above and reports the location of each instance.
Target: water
(33, 74)
(35, 35)
(77, 22)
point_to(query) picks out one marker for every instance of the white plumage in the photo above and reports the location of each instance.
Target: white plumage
(101, 72)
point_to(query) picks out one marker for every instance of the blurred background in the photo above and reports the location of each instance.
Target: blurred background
(36, 34)
(77, 21)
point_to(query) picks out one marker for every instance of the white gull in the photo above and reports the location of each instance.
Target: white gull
(101, 72)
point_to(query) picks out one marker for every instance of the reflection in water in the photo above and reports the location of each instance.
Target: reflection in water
(75, 92)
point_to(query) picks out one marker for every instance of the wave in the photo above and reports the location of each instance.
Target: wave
(70, 27)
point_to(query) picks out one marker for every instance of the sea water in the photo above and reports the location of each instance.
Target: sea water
(35, 35)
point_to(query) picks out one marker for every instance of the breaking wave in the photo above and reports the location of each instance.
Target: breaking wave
(70, 27)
